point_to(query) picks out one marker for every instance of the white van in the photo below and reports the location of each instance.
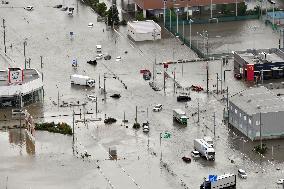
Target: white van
(29, 8)
(99, 48)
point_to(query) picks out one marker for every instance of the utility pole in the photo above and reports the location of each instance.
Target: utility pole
(73, 125)
(25, 43)
(260, 130)
(104, 84)
(136, 114)
(96, 106)
(214, 117)
(164, 81)
(41, 63)
(174, 81)
(4, 28)
(217, 82)
(198, 110)
(221, 77)
(207, 73)
(99, 81)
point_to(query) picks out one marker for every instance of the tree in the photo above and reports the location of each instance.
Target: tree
(101, 8)
(242, 8)
(112, 16)
(139, 16)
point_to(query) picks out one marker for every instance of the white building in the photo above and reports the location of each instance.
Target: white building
(20, 87)
(143, 30)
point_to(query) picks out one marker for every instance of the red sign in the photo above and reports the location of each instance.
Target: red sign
(166, 65)
(250, 72)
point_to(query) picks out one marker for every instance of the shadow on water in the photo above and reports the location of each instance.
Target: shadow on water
(19, 138)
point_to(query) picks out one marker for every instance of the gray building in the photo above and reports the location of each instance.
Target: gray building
(257, 112)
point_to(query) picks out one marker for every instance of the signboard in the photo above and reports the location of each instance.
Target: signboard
(212, 178)
(250, 72)
(189, 12)
(15, 75)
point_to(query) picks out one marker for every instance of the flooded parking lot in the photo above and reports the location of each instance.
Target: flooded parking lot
(143, 161)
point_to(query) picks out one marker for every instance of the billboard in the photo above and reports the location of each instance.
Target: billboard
(250, 72)
(15, 75)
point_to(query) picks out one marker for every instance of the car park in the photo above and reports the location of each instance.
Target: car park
(158, 108)
(99, 56)
(242, 174)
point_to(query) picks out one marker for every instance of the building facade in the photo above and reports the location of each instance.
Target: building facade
(256, 65)
(143, 30)
(157, 6)
(257, 112)
(20, 87)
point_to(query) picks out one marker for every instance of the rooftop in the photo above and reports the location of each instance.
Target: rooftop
(146, 26)
(255, 100)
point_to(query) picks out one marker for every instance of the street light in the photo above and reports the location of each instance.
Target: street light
(154, 35)
(260, 131)
(177, 10)
(190, 21)
(165, 1)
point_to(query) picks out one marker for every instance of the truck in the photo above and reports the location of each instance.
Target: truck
(204, 149)
(209, 140)
(180, 116)
(82, 80)
(223, 181)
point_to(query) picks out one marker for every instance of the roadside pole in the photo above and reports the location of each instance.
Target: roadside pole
(161, 156)
(136, 114)
(198, 111)
(207, 74)
(217, 82)
(214, 117)
(25, 43)
(41, 63)
(73, 125)
(4, 28)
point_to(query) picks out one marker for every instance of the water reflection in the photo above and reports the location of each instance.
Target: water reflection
(19, 138)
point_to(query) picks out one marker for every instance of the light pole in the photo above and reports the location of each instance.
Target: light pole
(177, 11)
(211, 7)
(165, 13)
(260, 127)
(154, 64)
(236, 8)
(177, 19)
(190, 22)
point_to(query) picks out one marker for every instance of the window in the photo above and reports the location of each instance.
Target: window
(245, 118)
(250, 121)
(236, 111)
(257, 122)
(240, 114)
(231, 107)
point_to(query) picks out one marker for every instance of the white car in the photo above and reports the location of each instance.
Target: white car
(118, 58)
(29, 8)
(146, 128)
(195, 154)
(242, 174)
(99, 56)
(90, 25)
(158, 108)
(280, 181)
(92, 97)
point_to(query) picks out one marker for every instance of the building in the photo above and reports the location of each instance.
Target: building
(257, 65)
(156, 7)
(257, 112)
(278, 17)
(20, 87)
(143, 30)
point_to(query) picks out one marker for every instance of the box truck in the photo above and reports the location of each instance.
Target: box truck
(82, 80)
(222, 181)
(204, 149)
(180, 116)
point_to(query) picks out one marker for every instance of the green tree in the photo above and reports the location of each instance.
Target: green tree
(112, 16)
(242, 8)
(101, 8)
(139, 16)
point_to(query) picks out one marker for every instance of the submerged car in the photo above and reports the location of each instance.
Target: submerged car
(99, 56)
(107, 57)
(183, 98)
(280, 181)
(90, 25)
(92, 97)
(242, 174)
(158, 108)
(118, 58)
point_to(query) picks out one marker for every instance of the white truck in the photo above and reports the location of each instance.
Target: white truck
(180, 116)
(204, 149)
(209, 140)
(82, 80)
(222, 181)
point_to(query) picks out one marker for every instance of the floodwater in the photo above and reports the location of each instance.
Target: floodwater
(143, 161)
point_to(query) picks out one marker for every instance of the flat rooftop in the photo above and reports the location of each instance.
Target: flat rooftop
(29, 75)
(260, 99)
(146, 26)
